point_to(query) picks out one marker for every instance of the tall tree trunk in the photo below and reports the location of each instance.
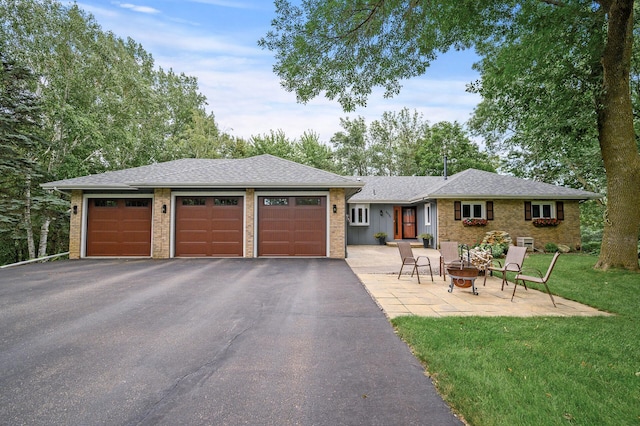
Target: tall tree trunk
(27, 218)
(44, 236)
(617, 142)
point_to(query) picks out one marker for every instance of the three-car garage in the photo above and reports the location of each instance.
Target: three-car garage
(259, 206)
(209, 226)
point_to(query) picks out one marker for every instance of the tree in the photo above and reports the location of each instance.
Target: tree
(344, 49)
(202, 138)
(394, 142)
(20, 124)
(450, 139)
(314, 153)
(104, 105)
(275, 143)
(350, 148)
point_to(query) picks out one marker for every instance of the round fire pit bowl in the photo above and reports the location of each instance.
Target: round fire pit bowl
(462, 275)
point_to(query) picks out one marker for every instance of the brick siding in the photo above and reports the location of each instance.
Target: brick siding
(250, 201)
(161, 224)
(75, 225)
(337, 221)
(509, 217)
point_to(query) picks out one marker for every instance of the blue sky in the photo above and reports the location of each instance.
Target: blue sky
(216, 41)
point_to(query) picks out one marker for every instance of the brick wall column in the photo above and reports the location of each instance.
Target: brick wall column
(161, 223)
(250, 222)
(337, 221)
(75, 225)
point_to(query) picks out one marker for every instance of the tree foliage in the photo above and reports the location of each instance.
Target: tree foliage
(394, 143)
(450, 139)
(103, 104)
(532, 51)
(403, 144)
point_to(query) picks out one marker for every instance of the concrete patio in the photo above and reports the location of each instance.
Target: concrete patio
(378, 266)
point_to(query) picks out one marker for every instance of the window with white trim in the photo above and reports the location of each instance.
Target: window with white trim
(473, 211)
(543, 210)
(359, 214)
(427, 214)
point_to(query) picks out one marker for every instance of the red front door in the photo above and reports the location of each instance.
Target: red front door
(404, 222)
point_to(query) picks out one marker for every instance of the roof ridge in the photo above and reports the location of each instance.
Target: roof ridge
(296, 164)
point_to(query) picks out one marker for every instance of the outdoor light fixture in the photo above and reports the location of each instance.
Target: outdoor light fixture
(164, 208)
(381, 213)
(335, 208)
(75, 209)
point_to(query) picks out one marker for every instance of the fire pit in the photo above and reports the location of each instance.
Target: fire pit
(463, 274)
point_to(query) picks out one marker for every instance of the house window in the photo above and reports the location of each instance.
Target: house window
(472, 211)
(468, 210)
(359, 214)
(542, 210)
(427, 214)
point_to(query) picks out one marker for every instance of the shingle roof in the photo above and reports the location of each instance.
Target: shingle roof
(473, 183)
(394, 189)
(469, 184)
(254, 172)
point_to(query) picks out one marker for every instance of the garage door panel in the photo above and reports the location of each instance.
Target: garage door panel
(209, 226)
(292, 226)
(305, 248)
(119, 227)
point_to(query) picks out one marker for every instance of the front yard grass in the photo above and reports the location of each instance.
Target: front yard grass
(541, 370)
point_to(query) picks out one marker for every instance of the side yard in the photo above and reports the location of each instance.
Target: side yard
(541, 370)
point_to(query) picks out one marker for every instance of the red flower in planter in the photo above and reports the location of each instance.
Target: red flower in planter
(541, 223)
(474, 222)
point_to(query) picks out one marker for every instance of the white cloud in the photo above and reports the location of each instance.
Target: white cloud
(245, 95)
(135, 8)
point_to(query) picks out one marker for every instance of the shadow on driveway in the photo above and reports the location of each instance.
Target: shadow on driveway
(203, 341)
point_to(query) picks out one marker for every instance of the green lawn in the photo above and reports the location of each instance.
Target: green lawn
(541, 370)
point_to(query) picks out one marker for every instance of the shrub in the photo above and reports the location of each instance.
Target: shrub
(497, 250)
(592, 247)
(551, 247)
(498, 241)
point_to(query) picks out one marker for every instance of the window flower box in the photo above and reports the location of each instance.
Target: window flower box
(474, 222)
(541, 223)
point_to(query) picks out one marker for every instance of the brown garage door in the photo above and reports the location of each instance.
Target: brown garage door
(292, 226)
(119, 227)
(209, 226)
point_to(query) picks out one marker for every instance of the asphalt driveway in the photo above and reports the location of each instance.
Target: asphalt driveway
(203, 341)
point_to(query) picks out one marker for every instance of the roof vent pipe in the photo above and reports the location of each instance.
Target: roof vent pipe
(445, 167)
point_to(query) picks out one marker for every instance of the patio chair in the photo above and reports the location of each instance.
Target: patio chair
(537, 279)
(512, 263)
(406, 253)
(448, 253)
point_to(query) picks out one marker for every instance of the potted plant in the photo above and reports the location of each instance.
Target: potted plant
(381, 237)
(426, 239)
